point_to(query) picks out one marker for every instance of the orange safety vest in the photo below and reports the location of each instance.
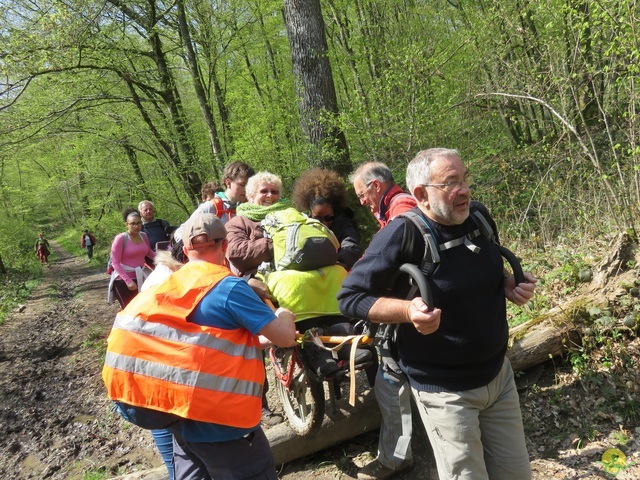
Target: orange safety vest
(158, 360)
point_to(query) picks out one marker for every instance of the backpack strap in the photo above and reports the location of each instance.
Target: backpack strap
(431, 255)
(483, 225)
(220, 210)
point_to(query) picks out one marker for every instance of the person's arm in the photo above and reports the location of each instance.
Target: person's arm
(393, 310)
(248, 311)
(350, 248)
(248, 247)
(282, 330)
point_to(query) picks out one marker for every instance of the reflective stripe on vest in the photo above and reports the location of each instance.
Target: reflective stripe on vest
(156, 359)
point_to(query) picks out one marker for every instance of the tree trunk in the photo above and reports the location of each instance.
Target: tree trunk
(313, 78)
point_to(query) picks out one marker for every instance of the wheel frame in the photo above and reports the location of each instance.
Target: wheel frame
(300, 393)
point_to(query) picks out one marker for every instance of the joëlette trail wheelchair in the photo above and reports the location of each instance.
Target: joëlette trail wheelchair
(301, 390)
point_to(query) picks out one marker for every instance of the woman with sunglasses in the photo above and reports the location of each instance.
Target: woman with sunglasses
(248, 244)
(322, 194)
(128, 252)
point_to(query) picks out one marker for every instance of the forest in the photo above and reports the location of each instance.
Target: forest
(104, 103)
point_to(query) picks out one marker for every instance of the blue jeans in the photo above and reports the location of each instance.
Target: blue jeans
(164, 442)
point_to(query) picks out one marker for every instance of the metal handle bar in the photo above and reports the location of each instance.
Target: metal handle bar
(338, 338)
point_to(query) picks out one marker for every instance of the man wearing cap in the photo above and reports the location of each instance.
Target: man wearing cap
(190, 346)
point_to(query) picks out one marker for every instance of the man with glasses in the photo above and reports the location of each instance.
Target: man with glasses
(454, 352)
(374, 186)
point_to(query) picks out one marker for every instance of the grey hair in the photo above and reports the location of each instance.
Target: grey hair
(259, 178)
(144, 202)
(367, 172)
(418, 170)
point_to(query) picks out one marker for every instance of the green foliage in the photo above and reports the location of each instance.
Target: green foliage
(550, 132)
(96, 474)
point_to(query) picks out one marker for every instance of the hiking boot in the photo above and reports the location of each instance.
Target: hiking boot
(269, 418)
(363, 355)
(321, 362)
(377, 471)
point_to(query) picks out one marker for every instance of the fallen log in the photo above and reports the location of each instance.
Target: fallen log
(549, 335)
(559, 329)
(347, 422)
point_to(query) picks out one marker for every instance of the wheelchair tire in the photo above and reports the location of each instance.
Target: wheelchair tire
(303, 401)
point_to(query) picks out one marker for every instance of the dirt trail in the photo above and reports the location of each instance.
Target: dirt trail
(56, 422)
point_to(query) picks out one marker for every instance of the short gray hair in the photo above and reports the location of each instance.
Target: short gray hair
(259, 178)
(418, 170)
(367, 172)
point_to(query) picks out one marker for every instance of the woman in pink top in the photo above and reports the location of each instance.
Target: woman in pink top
(128, 252)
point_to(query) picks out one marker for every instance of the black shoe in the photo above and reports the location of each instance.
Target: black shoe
(321, 361)
(363, 355)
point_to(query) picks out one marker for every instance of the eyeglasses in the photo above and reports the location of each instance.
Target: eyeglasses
(451, 186)
(135, 224)
(266, 191)
(362, 195)
(326, 218)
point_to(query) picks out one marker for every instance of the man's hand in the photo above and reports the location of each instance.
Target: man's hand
(423, 320)
(523, 292)
(282, 330)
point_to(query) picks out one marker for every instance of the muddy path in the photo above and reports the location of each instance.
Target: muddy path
(55, 420)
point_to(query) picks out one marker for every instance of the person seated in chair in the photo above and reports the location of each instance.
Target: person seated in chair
(311, 295)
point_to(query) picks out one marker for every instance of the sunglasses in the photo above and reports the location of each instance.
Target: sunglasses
(326, 218)
(266, 191)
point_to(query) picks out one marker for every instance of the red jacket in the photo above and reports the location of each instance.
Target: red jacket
(93, 240)
(394, 202)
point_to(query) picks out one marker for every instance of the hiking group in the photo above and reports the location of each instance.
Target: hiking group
(185, 355)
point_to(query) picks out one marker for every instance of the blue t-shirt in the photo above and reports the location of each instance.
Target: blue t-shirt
(229, 305)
